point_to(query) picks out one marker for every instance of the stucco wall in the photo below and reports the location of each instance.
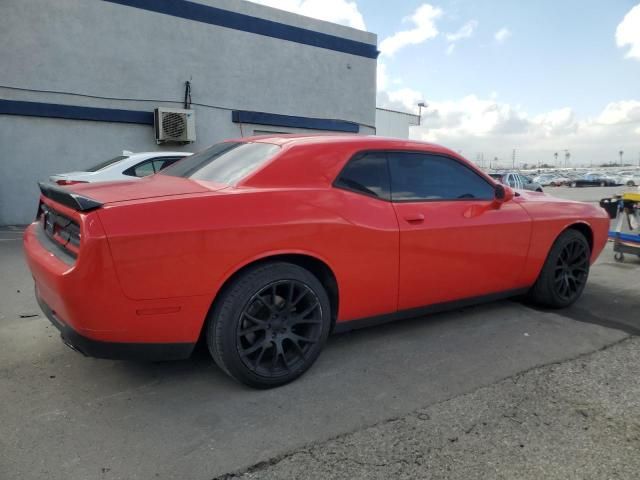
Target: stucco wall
(137, 60)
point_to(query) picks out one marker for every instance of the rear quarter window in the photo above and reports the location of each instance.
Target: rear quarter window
(227, 162)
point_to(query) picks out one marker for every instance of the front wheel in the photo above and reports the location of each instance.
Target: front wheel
(630, 183)
(565, 271)
(269, 326)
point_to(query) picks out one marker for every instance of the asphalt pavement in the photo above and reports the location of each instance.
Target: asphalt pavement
(69, 417)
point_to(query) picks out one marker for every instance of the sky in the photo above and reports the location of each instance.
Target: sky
(536, 77)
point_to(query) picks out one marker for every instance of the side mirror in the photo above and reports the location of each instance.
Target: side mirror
(503, 194)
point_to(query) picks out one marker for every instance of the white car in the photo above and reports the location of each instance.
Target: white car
(127, 166)
(629, 178)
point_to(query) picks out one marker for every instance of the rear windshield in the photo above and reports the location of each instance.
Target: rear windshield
(105, 164)
(227, 162)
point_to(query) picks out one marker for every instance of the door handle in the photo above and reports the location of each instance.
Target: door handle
(414, 218)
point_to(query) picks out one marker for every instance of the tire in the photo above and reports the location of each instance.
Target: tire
(603, 184)
(562, 280)
(539, 190)
(630, 183)
(257, 303)
(573, 184)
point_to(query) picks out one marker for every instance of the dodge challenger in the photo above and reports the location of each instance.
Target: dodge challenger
(262, 246)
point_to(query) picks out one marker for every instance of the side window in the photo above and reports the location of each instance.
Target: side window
(510, 179)
(160, 163)
(142, 169)
(367, 174)
(420, 176)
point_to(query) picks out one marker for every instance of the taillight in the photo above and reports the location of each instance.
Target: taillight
(69, 182)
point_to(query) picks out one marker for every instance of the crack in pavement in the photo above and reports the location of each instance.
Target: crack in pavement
(513, 409)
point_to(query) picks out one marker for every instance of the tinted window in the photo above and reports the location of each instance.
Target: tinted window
(143, 169)
(151, 166)
(226, 162)
(160, 163)
(418, 176)
(106, 163)
(367, 174)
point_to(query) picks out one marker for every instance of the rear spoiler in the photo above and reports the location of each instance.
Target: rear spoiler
(68, 198)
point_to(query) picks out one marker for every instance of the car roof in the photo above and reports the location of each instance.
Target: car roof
(327, 138)
(162, 153)
(293, 165)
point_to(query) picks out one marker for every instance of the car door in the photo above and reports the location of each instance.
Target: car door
(455, 242)
(370, 276)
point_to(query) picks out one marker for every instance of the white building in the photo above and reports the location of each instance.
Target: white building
(393, 123)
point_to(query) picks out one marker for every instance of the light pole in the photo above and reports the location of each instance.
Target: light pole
(621, 152)
(567, 155)
(421, 105)
(555, 158)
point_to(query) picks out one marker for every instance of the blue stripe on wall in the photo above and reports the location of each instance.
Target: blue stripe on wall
(262, 118)
(54, 110)
(247, 23)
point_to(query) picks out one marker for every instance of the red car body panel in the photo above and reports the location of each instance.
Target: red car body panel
(154, 257)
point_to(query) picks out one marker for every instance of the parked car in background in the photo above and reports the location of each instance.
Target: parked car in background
(262, 246)
(127, 166)
(593, 179)
(559, 180)
(517, 180)
(544, 179)
(629, 178)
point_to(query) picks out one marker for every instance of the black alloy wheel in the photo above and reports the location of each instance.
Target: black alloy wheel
(268, 326)
(565, 271)
(278, 327)
(571, 270)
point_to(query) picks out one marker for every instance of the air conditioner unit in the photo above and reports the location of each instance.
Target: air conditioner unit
(175, 125)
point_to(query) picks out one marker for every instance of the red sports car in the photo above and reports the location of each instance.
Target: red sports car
(262, 246)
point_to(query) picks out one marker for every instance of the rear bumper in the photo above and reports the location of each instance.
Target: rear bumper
(115, 350)
(83, 299)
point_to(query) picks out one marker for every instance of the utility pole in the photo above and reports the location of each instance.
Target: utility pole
(421, 105)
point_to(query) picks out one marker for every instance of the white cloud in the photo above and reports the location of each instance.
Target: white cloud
(424, 28)
(465, 31)
(336, 11)
(451, 48)
(486, 125)
(502, 34)
(626, 111)
(382, 78)
(628, 33)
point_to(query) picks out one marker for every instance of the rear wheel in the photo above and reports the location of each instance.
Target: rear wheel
(630, 183)
(565, 271)
(603, 184)
(270, 325)
(573, 184)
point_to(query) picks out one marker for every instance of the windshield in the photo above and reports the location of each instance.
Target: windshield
(106, 163)
(227, 162)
